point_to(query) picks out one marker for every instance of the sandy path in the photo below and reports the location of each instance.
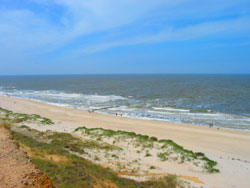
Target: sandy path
(16, 171)
(230, 148)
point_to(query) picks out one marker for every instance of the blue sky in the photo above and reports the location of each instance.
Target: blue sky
(124, 36)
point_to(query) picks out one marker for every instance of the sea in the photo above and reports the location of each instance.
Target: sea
(218, 100)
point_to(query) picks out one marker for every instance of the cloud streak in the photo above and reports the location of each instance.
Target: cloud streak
(90, 26)
(218, 28)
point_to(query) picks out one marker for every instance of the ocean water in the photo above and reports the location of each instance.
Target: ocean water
(223, 100)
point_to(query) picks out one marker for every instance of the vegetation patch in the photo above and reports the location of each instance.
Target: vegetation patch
(19, 117)
(91, 157)
(75, 171)
(167, 150)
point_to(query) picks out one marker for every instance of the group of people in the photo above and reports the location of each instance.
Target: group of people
(116, 114)
(92, 110)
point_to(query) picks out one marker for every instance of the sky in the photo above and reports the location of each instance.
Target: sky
(124, 36)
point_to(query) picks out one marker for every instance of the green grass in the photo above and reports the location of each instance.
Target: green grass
(5, 125)
(78, 145)
(75, 171)
(148, 142)
(148, 154)
(152, 167)
(20, 118)
(169, 181)
(111, 133)
(163, 156)
(153, 138)
(209, 164)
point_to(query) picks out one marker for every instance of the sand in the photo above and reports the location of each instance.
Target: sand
(230, 148)
(16, 168)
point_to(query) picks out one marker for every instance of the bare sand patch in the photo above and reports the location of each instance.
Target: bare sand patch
(16, 169)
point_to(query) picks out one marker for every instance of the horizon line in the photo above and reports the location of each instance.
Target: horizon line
(94, 74)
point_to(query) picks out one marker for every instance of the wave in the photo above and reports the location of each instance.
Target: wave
(202, 111)
(170, 109)
(160, 112)
(131, 107)
(46, 93)
(53, 94)
(102, 98)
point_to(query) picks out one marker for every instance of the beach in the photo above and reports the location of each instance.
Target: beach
(124, 94)
(230, 148)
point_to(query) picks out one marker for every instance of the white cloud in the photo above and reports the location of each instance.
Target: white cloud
(220, 28)
(26, 30)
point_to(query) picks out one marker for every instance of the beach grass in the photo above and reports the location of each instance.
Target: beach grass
(19, 117)
(168, 151)
(52, 153)
(61, 155)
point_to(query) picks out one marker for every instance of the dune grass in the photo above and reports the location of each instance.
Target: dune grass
(19, 117)
(69, 169)
(74, 171)
(168, 147)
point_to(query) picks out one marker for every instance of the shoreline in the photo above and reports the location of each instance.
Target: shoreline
(130, 117)
(230, 148)
(109, 116)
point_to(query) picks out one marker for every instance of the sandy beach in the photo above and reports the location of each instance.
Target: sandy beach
(230, 148)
